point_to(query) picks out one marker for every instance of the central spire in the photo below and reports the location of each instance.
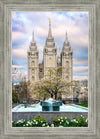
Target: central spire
(66, 39)
(49, 33)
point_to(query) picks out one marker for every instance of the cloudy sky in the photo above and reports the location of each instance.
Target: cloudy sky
(74, 23)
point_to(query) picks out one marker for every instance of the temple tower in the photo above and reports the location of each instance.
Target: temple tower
(33, 61)
(49, 52)
(67, 61)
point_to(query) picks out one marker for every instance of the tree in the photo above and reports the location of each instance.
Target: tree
(52, 85)
(14, 96)
(23, 90)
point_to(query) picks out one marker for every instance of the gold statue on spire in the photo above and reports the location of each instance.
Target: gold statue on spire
(49, 20)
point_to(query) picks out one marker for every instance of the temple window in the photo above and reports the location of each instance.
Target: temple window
(32, 71)
(50, 62)
(32, 63)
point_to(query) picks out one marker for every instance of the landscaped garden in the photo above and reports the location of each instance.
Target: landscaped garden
(57, 122)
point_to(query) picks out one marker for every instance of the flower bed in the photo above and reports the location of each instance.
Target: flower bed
(39, 121)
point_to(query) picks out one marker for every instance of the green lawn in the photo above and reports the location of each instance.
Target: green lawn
(83, 104)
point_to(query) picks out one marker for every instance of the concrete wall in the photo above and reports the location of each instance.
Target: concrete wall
(47, 115)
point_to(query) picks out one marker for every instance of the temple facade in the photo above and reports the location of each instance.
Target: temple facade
(36, 70)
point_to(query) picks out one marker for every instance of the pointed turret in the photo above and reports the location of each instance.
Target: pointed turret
(66, 42)
(33, 37)
(66, 45)
(33, 43)
(50, 39)
(66, 39)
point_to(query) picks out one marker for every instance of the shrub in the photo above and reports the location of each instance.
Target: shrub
(79, 121)
(35, 122)
(61, 121)
(65, 122)
(39, 121)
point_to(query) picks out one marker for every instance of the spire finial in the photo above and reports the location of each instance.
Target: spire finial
(49, 33)
(49, 21)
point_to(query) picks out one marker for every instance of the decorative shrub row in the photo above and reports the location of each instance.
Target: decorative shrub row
(57, 122)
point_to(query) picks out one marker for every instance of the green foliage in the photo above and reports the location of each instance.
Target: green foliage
(14, 96)
(83, 104)
(65, 122)
(62, 121)
(57, 122)
(39, 119)
(80, 122)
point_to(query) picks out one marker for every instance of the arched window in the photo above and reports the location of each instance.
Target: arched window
(32, 63)
(32, 71)
(50, 62)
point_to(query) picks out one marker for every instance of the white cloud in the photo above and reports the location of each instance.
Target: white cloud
(17, 66)
(19, 53)
(76, 62)
(80, 77)
(17, 36)
(19, 75)
(77, 32)
(80, 68)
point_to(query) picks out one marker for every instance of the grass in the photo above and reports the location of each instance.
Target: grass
(83, 104)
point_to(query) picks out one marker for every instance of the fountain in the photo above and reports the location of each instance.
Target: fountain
(50, 105)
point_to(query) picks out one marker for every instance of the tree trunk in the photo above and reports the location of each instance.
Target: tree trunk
(55, 96)
(51, 95)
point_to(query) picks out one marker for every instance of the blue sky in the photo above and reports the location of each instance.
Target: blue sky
(74, 23)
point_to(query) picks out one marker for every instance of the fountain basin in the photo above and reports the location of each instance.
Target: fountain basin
(50, 105)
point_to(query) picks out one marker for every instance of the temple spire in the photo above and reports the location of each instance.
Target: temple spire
(33, 36)
(49, 33)
(66, 39)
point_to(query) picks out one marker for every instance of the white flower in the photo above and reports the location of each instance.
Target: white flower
(58, 119)
(74, 120)
(43, 125)
(60, 126)
(34, 120)
(36, 123)
(61, 117)
(48, 126)
(62, 120)
(86, 120)
(81, 116)
(52, 125)
(41, 121)
(67, 122)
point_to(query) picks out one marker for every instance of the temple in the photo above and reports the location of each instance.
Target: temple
(36, 70)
